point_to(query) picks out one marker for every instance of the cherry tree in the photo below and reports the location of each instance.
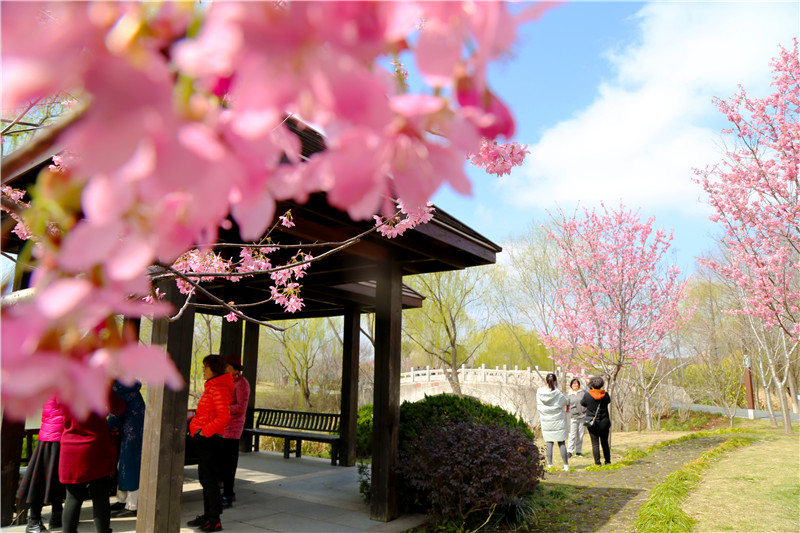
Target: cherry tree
(178, 119)
(755, 192)
(617, 300)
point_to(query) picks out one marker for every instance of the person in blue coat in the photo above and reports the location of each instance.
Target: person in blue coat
(130, 426)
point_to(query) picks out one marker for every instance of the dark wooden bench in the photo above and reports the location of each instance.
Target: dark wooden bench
(297, 426)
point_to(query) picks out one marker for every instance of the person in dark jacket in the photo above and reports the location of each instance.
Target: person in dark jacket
(130, 425)
(596, 403)
(86, 464)
(233, 432)
(576, 414)
(40, 484)
(207, 428)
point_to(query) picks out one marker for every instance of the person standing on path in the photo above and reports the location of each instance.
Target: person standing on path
(40, 484)
(233, 431)
(596, 403)
(131, 428)
(207, 427)
(576, 416)
(550, 403)
(86, 464)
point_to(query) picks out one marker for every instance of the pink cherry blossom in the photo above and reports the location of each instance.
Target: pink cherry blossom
(178, 133)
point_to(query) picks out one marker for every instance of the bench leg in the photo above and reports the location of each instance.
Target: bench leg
(299, 448)
(286, 448)
(334, 454)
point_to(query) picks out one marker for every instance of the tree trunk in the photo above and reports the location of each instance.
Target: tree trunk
(767, 383)
(452, 378)
(793, 392)
(770, 409)
(787, 420)
(306, 394)
(647, 415)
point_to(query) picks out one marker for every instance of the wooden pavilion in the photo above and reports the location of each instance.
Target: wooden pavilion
(365, 277)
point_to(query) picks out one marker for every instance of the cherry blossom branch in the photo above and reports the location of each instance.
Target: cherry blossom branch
(39, 145)
(341, 246)
(219, 301)
(19, 117)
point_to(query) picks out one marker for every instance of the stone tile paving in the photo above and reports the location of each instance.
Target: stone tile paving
(298, 495)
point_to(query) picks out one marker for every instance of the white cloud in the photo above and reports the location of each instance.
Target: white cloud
(654, 120)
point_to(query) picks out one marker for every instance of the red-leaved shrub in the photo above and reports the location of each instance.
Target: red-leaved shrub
(470, 467)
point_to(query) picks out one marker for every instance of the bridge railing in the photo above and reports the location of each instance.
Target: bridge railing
(483, 374)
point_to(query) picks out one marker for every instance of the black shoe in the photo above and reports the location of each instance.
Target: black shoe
(125, 513)
(579, 455)
(199, 521)
(117, 506)
(212, 525)
(55, 522)
(35, 526)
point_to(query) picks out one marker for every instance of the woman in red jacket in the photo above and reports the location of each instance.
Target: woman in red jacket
(207, 427)
(233, 433)
(85, 465)
(40, 483)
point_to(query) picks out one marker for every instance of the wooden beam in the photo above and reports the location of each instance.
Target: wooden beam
(164, 447)
(12, 434)
(250, 373)
(230, 342)
(349, 408)
(386, 413)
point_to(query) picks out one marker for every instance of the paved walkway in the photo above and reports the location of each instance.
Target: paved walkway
(298, 495)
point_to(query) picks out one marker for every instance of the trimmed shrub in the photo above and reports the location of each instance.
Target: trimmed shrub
(364, 431)
(463, 471)
(417, 417)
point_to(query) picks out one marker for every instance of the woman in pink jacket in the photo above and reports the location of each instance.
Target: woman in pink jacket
(40, 485)
(233, 432)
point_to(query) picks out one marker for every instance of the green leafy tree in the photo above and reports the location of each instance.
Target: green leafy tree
(447, 328)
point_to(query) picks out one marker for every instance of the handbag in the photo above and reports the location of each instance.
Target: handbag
(591, 423)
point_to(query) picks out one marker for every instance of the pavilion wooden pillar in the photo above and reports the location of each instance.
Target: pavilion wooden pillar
(349, 408)
(250, 373)
(230, 342)
(161, 485)
(386, 406)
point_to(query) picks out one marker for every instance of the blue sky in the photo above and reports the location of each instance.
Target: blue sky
(614, 100)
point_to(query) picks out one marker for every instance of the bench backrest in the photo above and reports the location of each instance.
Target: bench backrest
(303, 420)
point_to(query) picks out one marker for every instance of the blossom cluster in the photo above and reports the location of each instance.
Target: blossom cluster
(406, 219)
(499, 158)
(183, 119)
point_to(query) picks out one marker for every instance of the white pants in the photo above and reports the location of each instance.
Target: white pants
(576, 432)
(129, 497)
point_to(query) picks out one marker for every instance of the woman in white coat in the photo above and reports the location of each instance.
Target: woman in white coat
(550, 403)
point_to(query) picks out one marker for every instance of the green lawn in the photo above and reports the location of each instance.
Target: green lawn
(755, 488)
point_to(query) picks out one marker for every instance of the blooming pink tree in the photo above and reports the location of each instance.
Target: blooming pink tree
(617, 299)
(178, 119)
(755, 192)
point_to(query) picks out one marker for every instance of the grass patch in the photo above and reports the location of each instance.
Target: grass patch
(546, 509)
(755, 489)
(692, 421)
(634, 454)
(662, 511)
(631, 456)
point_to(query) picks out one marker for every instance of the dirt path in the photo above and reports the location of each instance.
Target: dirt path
(608, 501)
